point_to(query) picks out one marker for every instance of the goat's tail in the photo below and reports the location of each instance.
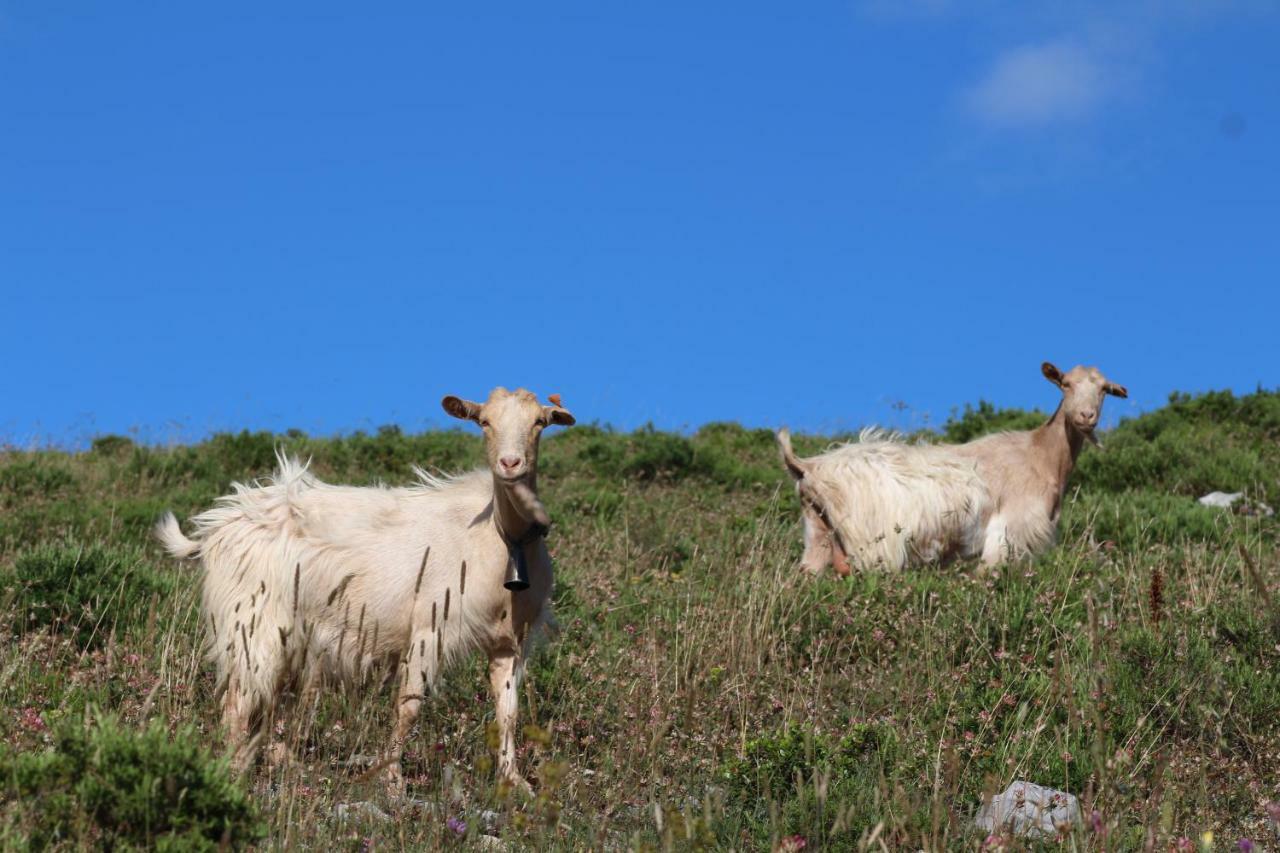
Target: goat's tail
(173, 540)
(794, 465)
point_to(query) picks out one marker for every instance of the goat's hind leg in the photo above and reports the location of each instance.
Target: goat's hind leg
(285, 727)
(241, 720)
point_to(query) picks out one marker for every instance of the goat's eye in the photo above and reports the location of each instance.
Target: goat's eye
(484, 424)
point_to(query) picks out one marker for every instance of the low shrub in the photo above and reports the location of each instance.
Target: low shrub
(986, 418)
(105, 786)
(785, 781)
(85, 591)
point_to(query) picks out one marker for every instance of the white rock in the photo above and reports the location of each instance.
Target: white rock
(351, 811)
(1030, 811)
(1221, 499)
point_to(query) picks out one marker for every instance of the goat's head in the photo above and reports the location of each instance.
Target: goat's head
(1083, 389)
(513, 422)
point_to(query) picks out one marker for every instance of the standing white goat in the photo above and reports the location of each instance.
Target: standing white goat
(881, 503)
(306, 581)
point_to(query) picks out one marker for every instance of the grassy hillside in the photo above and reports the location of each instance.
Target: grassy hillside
(700, 694)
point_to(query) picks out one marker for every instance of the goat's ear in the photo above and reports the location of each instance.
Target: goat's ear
(463, 410)
(558, 415)
(1115, 390)
(1051, 373)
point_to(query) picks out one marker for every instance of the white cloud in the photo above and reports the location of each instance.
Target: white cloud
(1038, 85)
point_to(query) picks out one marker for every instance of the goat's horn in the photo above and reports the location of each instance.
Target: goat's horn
(555, 400)
(530, 505)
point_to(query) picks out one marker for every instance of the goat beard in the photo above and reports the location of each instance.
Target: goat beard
(529, 504)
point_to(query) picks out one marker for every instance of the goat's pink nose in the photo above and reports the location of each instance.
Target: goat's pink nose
(510, 462)
(1089, 416)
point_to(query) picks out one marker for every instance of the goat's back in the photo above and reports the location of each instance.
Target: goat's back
(301, 574)
(897, 504)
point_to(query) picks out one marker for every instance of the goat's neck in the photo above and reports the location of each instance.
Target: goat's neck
(1059, 444)
(508, 513)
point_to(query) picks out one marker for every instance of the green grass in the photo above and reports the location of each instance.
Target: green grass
(701, 693)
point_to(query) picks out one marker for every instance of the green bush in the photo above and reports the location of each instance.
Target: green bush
(783, 782)
(244, 454)
(23, 477)
(985, 419)
(111, 445)
(106, 786)
(86, 591)
(1186, 460)
(1258, 412)
(1140, 519)
(773, 763)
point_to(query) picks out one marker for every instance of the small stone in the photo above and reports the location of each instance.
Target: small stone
(1260, 510)
(1030, 811)
(353, 811)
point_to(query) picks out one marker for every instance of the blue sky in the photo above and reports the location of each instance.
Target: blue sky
(325, 216)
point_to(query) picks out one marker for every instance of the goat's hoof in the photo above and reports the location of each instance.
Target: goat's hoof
(278, 755)
(393, 779)
(515, 784)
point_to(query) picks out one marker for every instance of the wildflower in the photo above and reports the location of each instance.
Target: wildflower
(1244, 845)
(793, 844)
(1206, 839)
(32, 720)
(1273, 810)
(1095, 822)
(1183, 845)
(456, 825)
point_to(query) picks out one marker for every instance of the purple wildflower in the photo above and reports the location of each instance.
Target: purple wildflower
(457, 825)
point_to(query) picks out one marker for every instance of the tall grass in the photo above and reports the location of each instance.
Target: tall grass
(700, 694)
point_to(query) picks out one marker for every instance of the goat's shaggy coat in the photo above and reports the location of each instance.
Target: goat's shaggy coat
(307, 582)
(896, 504)
(883, 504)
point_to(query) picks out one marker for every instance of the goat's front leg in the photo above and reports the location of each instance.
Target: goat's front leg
(995, 549)
(505, 670)
(415, 674)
